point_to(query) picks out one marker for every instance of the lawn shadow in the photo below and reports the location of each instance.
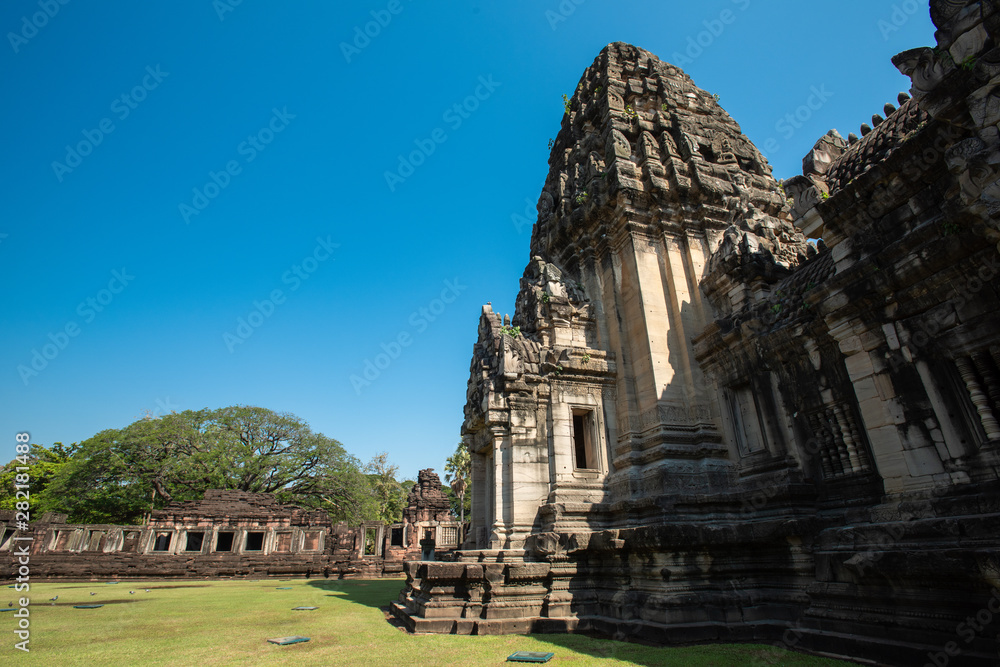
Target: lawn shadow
(377, 593)
(603, 647)
(94, 601)
(92, 586)
(650, 654)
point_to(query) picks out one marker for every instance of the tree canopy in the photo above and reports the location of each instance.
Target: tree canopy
(119, 475)
(43, 464)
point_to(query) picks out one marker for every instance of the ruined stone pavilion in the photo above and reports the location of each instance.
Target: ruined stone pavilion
(702, 422)
(239, 534)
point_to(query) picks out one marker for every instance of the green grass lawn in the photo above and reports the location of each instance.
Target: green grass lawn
(228, 622)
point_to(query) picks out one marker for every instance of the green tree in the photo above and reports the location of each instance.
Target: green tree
(43, 463)
(458, 473)
(118, 475)
(387, 493)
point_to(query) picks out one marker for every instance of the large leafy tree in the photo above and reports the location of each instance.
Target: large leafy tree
(388, 495)
(120, 474)
(42, 463)
(458, 473)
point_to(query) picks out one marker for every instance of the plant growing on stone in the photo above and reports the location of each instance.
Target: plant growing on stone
(567, 104)
(545, 297)
(582, 197)
(513, 332)
(948, 228)
(630, 112)
(586, 357)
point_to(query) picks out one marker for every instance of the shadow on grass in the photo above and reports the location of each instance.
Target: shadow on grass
(377, 593)
(686, 655)
(140, 584)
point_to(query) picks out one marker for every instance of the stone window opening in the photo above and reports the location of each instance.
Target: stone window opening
(95, 540)
(194, 541)
(310, 541)
(842, 450)
(744, 414)
(8, 533)
(283, 542)
(371, 542)
(396, 536)
(162, 542)
(449, 536)
(130, 541)
(224, 541)
(255, 541)
(60, 541)
(584, 454)
(979, 387)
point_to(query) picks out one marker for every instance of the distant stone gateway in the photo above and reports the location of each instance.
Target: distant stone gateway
(699, 425)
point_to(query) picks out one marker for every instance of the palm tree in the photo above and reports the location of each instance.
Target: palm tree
(457, 471)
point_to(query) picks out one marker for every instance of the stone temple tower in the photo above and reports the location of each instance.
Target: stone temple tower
(700, 426)
(592, 394)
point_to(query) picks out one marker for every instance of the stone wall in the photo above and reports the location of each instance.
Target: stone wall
(700, 425)
(227, 534)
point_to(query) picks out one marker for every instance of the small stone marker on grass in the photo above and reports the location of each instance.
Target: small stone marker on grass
(529, 656)
(282, 641)
(304, 608)
(87, 606)
(283, 588)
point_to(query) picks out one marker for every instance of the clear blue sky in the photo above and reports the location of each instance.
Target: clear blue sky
(307, 131)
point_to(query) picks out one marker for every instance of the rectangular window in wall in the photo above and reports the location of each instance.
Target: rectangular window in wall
(5, 541)
(282, 542)
(310, 541)
(449, 536)
(224, 542)
(194, 541)
(977, 389)
(61, 540)
(95, 540)
(130, 542)
(371, 536)
(396, 537)
(255, 541)
(745, 418)
(584, 454)
(162, 542)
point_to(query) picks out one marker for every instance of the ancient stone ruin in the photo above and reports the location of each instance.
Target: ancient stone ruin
(239, 534)
(700, 425)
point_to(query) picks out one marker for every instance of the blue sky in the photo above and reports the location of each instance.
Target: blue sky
(195, 210)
